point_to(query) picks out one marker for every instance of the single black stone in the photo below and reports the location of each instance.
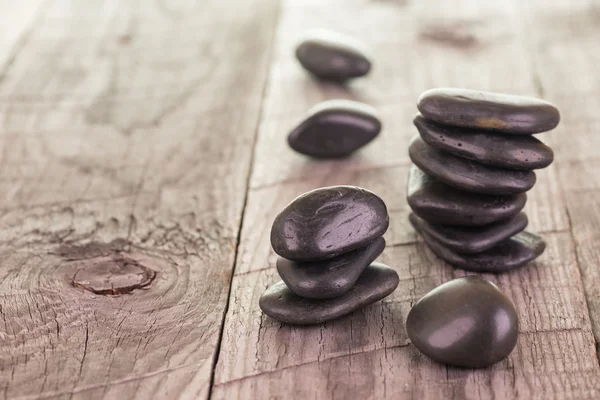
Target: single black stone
(505, 256)
(329, 278)
(514, 152)
(335, 128)
(468, 239)
(332, 56)
(490, 111)
(467, 322)
(279, 302)
(468, 175)
(439, 203)
(327, 222)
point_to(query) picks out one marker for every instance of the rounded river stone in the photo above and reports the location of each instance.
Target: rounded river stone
(468, 175)
(329, 278)
(505, 256)
(327, 222)
(490, 111)
(279, 302)
(439, 203)
(467, 322)
(516, 152)
(467, 239)
(335, 128)
(332, 56)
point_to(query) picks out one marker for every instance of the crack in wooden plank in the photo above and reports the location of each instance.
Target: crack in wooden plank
(318, 361)
(269, 58)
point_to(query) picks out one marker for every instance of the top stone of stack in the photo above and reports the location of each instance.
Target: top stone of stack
(502, 113)
(327, 222)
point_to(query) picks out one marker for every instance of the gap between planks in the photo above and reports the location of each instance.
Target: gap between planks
(245, 204)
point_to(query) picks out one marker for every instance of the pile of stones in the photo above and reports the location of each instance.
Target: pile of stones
(327, 240)
(474, 161)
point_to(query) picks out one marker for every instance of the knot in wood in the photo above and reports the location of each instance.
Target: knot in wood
(112, 275)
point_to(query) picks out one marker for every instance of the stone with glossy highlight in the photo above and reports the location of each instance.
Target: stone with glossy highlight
(466, 322)
(327, 222)
(498, 112)
(335, 128)
(516, 152)
(513, 253)
(467, 239)
(279, 302)
(439, 203)
(332, 56)
(468, 175)
(329, 278)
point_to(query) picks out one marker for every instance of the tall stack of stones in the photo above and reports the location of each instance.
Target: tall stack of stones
(473, 162)
(327, 240)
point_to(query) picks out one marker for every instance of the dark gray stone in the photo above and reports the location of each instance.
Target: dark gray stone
(335, 128)
(503, 151)
(329, 278)
(332, 56)
(467, 322)
(327, 222)
(439, 203)
(468, 175)
(490, 111)
(279, 302)
(508, 255)
(467, 239)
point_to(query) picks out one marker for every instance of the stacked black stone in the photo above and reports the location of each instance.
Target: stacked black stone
(328, 239)
(474, 161)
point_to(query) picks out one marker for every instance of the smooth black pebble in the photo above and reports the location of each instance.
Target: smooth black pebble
(468, 239)
(329, 278)
(279, 302)
(466, 322)
(335, 128)
(468, 175)
(498, 112)
(332, 56)
(439, 203)
(516, 152)
(505, 256)
(327, 222)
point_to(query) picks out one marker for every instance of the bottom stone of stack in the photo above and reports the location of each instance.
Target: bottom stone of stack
(505, 256)
(375, 283)
(328, 278)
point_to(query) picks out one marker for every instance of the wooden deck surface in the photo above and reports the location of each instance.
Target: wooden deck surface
(147, 140)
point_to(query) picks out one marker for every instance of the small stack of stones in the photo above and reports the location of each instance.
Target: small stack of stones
(327, 240)
(334, 128)
(474, 161)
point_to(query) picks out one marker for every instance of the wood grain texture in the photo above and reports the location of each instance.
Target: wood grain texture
(564, 48)
(125, 130)
(416, 46)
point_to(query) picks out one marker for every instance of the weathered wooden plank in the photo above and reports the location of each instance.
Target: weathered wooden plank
(565, 49)
(17, 20)
(367, 354)
(125, 130)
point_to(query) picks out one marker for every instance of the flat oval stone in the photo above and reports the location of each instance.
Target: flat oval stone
(466, 322)
(335, 128)
(327, 222)
(508, 255)
(490, 111)
(514, 152)
(466, 174)
(467, 239)
(439, 203)
(332, 56)
(375, 283)
(329, 278)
